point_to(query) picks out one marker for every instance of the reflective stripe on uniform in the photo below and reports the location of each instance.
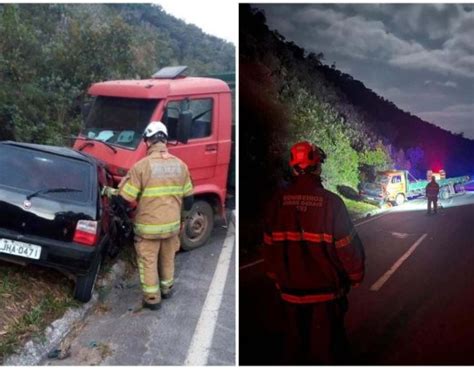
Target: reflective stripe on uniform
(131, 190)
(141, 270)
(150, 288)
(356, 276)
(187, 189)
(345, 241)
(157, 228)
(167, 283)
(308, 299)
(302, 236)
(267, 239)
(308, 236)
(162, 191)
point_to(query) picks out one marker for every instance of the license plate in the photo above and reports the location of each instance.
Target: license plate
(18, 248)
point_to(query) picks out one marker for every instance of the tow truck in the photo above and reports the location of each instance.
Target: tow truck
(198, 114)
(395, 186)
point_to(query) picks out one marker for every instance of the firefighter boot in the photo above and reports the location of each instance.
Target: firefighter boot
(147, 255)
(166, 256)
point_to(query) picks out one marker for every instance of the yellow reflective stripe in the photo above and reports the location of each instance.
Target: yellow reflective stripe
(167, 283)
(162, 191)
(131, 190)
(150, 289)
(142, 271)
(157, 228)
(188, 188)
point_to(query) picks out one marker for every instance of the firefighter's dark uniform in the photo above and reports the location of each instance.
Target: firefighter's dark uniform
(432, 191)
(314, 254)
(158, 182)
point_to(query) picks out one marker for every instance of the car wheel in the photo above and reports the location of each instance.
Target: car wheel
(85, 283)
(198, 226)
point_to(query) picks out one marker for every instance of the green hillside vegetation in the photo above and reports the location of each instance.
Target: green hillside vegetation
(51, 53)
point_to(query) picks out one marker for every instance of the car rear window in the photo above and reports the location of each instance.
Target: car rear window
(30, 170)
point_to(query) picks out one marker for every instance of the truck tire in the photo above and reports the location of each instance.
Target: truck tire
(198, 226)
(444, 193)
(399, 199)
(85, 283)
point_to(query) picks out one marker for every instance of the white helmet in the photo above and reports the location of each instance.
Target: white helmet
(154, 128)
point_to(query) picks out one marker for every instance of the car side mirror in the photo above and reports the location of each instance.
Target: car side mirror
(185, 120)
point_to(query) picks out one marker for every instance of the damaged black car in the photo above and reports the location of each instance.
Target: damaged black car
(53, 213)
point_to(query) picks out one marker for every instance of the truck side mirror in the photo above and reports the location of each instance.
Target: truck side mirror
(185, 120)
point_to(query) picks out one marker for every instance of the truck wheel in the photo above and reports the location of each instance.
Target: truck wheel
(85, 283)
(198, 227)
(444, 193)
(400, 199)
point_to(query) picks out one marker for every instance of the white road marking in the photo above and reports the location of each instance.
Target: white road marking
(399, 235)
(201, 342)
(381, 281)
(251, 264)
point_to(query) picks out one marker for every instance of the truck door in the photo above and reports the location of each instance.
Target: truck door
(201, 151)
(397, 185)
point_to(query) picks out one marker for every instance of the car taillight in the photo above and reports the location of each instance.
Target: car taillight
(86, 232)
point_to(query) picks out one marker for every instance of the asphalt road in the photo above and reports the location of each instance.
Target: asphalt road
(195, 326)
(416, 304)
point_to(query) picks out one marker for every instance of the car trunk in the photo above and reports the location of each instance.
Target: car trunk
(45, 218)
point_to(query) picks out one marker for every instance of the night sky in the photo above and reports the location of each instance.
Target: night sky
(419, 56)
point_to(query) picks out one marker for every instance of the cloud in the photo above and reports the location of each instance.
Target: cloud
(398, 34)
(444, 84)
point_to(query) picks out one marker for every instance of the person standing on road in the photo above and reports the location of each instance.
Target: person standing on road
(432, 191)
(159, 185)
(314, 255)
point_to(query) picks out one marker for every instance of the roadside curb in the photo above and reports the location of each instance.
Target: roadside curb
(35, 351)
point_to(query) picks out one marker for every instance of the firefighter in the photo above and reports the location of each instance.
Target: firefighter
(432, 191)
(159, 185)
(314, 255)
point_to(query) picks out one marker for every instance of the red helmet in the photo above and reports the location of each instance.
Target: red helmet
(304, 155)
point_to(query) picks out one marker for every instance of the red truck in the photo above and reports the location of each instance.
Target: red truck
(198, 114)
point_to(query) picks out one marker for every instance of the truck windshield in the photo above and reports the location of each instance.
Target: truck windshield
(119, 121)
(32, 171)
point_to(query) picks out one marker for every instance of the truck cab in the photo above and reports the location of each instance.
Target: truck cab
(198, 114)
(388, 186)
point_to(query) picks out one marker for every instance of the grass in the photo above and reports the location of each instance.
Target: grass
(30, 299)
(358, 209)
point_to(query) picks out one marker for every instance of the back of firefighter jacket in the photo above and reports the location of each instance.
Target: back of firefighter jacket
(432, 190)
(310, 245)
(158, 182)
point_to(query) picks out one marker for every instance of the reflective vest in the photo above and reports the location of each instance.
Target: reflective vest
(311, 248)
(432, 190)
(158, 183)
